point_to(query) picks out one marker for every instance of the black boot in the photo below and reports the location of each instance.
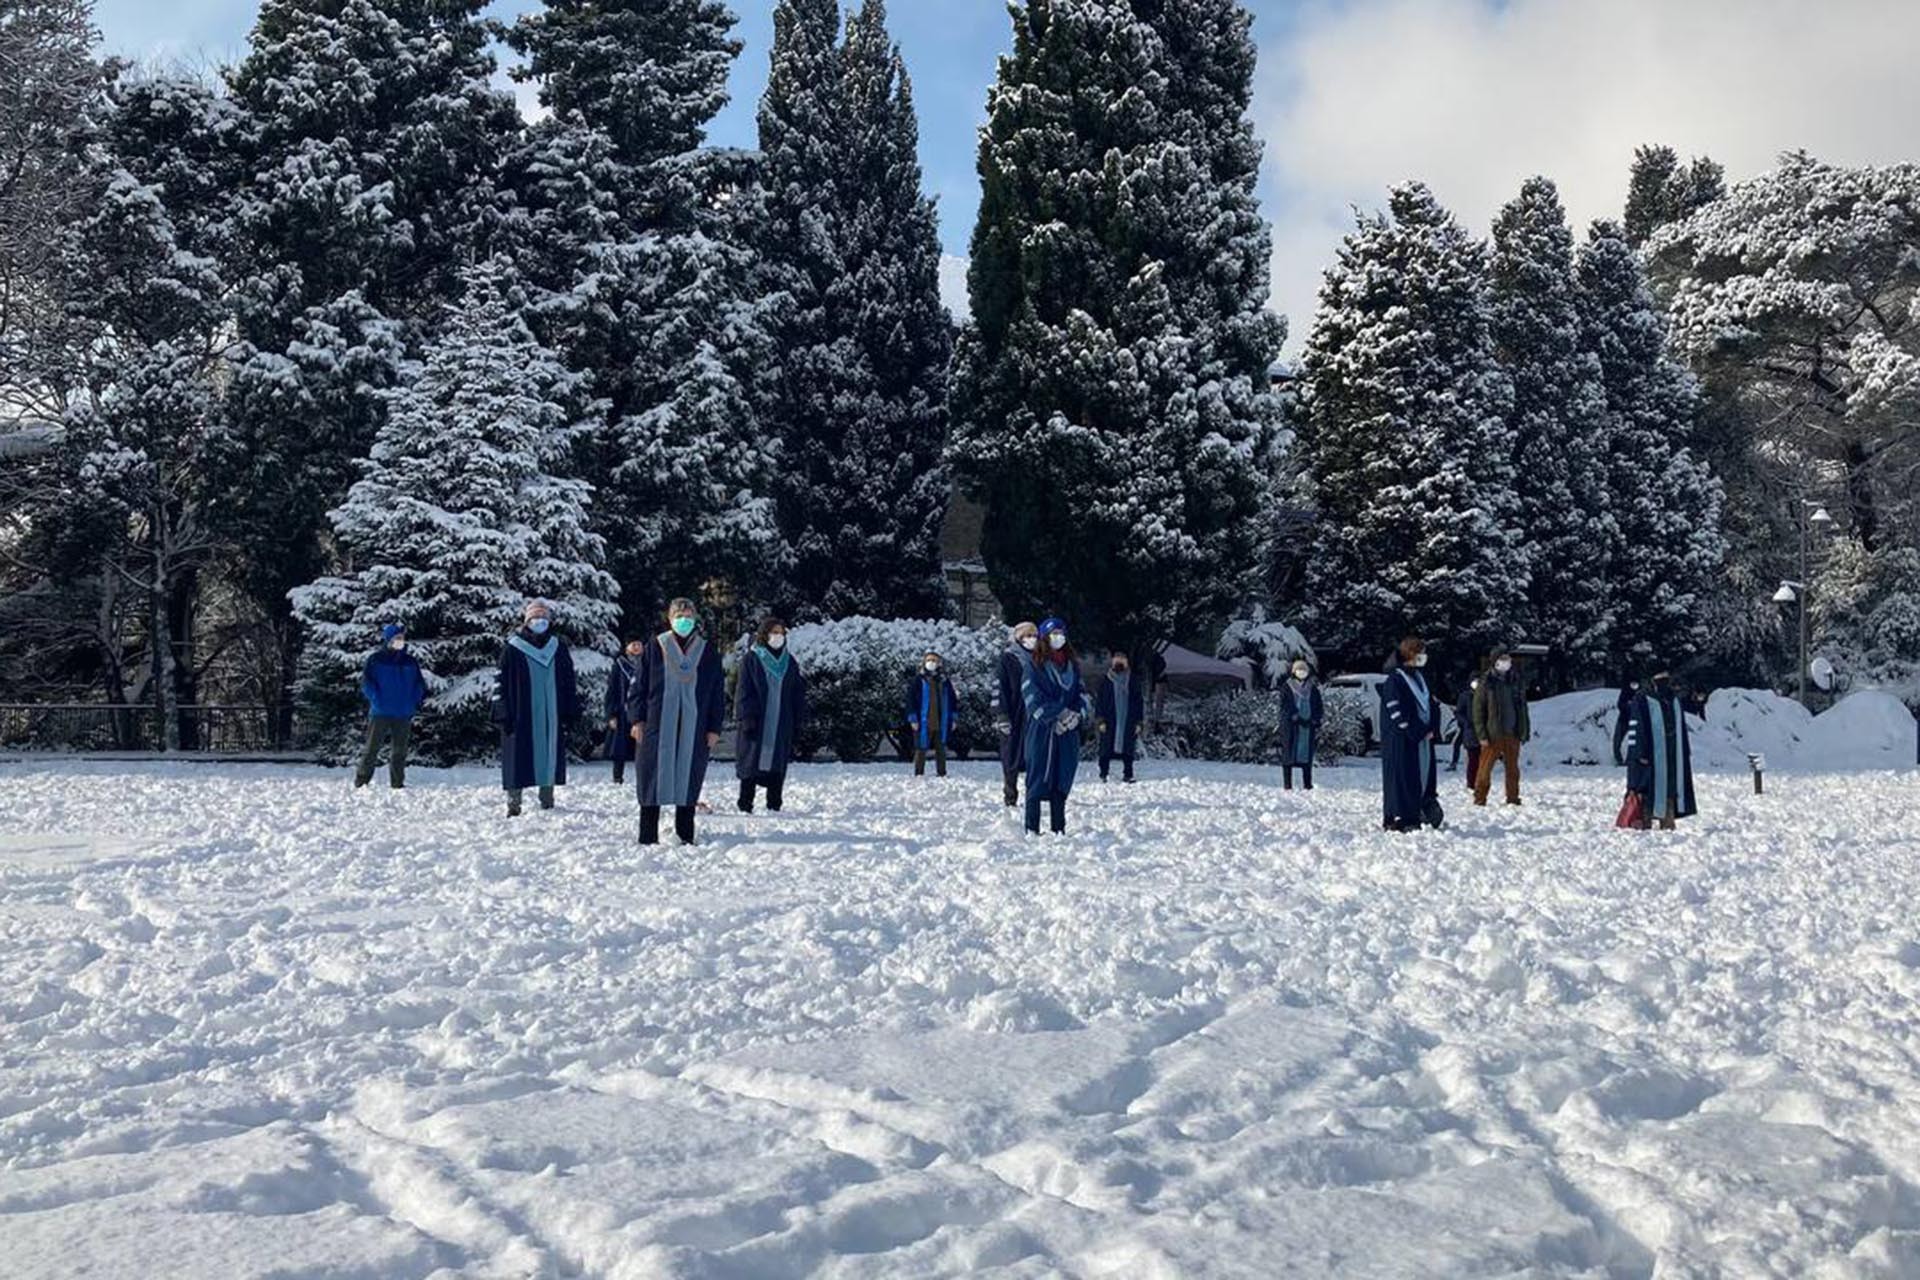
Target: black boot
(1059, 816)
(683, 823)
(776, 789)
(649, 824)
(546, 797)
(746, 797)
(513, 803)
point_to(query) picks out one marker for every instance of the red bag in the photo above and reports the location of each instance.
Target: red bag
(1633, 812)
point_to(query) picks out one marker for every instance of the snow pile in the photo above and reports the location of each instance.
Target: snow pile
(256, 1023)
(1866, 730)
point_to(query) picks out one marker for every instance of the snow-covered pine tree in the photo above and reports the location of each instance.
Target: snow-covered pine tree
(1406, 442)
(371, 137)
(637, 242)
(864, 342)
(462, 512)
(1559, 426)
(1661, 190)
(1112, 405)
(1666, 503)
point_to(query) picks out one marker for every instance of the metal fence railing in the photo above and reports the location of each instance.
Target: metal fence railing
(95, 726)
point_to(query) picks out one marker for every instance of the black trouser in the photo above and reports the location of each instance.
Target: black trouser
(514, 794)
(381, 730)
(1306, 775)
(1058, 815)
(1620, 726)
(619, 770)
(650, 823)
(1106, 762)
(940, 758)
(775, 783)
(1011, 776)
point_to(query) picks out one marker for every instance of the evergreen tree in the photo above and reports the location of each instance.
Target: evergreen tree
(1661, 190)
(1406, 442)
(637, 241)
(462, 511)
(371, 138)
(1112, 406)
(1559, 426)
(1666, 503)
(864, 341)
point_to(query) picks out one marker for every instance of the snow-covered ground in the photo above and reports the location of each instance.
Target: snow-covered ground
(253, 1023)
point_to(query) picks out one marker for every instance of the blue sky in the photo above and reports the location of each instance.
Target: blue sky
(1472, 96)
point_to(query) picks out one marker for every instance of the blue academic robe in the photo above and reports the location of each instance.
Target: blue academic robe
(920, 713)
(1409, 729)
(643, 708)
(1107, 710)
(1291, 724)
(1052, 758)
(1660, 759)
(625, 669)
(1013, 705)
(513, 712)
(750, 717)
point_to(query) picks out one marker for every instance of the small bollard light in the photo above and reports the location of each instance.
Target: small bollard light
(1758, 763)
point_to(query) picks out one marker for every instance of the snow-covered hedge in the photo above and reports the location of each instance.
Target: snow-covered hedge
(1243, 726)
(857, 672)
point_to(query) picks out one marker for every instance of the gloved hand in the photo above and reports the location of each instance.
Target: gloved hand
(1003, 727)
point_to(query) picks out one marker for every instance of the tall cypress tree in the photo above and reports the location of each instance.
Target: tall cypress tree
(1663, 190)
(638, 241)
(1111, 403)
(863, 341)
(1406, 441)
(1559, 429)
(371, 137)
(1666, 502)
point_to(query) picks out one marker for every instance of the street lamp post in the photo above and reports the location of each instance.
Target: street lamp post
(1811, 515)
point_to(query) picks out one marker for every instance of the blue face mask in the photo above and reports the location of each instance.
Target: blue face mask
(683, 626)
(539, 626)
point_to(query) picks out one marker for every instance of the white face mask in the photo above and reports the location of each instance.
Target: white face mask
(1058, 640)
(1503, 666)
(1029, 643)
(777, 641)
(930, 666)
(398, 644)
(1419, 659)
(1299, 673)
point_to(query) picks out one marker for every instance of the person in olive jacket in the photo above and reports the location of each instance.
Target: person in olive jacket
(1501, 722)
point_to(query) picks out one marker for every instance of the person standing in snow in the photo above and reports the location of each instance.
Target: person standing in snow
(933, 708)
(1409, 728)
(1302, 710)
(678, 705)
(1057, 702)
(1120, 709)
(1502, 724)
(1660, 755)
(1623, 717)
(1014, 661)
(535, 700)
(626, 668)
(1464, 739)
(768, 709)
(394, 688)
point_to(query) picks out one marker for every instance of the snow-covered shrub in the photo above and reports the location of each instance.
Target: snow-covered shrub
(1344, 731)
(1243, 726)
(857, 672)
(1270, 643)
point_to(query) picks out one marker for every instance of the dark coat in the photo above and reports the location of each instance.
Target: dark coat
(1660, 765)
(392, 684)
(1052, 758)
(920, 713)
(1463, 720)
(1500, 708)
(644, 697)
(1012, 705)
(625, 670)
(1410, 790)
(1106, 709)
(750, 712)
(513, 712)
(1290, 721)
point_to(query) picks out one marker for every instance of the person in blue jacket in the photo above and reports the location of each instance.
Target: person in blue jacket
(394, 688)
(678, 707)
(1302, 711)
(1120, 709)
(1660, 755)
(769, 707)
(535, 702)
(1057, 703)
(1409, 727)
(626, 668)
(1012, 706)
(933, 708)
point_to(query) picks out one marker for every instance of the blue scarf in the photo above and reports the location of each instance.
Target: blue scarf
(776, 669)
(1122, 711)
(677, 736)
(546, 706)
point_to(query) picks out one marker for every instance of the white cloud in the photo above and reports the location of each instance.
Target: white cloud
(953, 286)
(1473, 99)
